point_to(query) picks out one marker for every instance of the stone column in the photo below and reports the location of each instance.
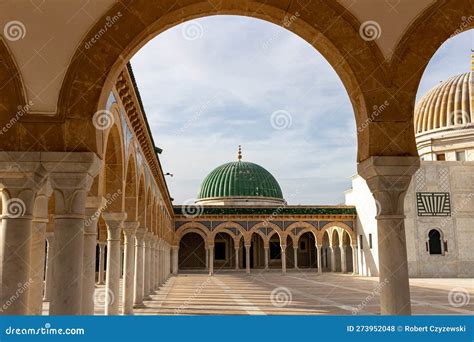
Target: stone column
(37, 243)
(266, 250)
(333, 258)
(157, 263)
(139, 262)
(114, 222)
(175, 250)
(354, 259)
(129, 231)
(93, 207)
(122, 260)
(146, 281)
(295, 253)
(48, 284)
(153, 264)
(101, 280)
(247, 259)
(319, 257)
(343, 259)
(211, 260)
(283, 259)
(388, 179)
(21, 176)
(71, 176)
(236, 249)
(207, 259)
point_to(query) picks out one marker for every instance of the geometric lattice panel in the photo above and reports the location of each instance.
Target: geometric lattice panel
(433, 204)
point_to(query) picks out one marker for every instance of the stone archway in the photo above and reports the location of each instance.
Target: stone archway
(192, 251)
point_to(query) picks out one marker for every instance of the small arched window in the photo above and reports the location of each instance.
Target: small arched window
(434, 242)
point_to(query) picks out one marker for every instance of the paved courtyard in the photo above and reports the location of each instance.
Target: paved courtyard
(300, 293)
(296, 293)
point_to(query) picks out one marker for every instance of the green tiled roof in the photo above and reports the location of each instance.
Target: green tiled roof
(283, 210)
(240, 179)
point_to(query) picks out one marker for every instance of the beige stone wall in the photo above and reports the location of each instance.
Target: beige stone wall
(457, 230)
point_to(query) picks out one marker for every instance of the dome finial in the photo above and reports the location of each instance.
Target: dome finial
(472, 60)
(239, 153)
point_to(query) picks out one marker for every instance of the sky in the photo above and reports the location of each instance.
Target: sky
(211, 84)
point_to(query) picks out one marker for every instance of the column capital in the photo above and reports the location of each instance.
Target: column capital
(388, 178)
(140, 234)
(102, 244)
(114, 222)
(130, 227)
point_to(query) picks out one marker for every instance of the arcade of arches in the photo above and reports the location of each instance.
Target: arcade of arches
(79, 167)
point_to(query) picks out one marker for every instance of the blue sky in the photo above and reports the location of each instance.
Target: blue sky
(213, 83)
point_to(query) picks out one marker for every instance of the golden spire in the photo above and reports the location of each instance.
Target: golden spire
(239, 153)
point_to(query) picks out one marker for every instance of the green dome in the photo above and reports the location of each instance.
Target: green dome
(240, 179)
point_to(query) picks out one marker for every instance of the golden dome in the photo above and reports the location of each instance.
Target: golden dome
(449, 105)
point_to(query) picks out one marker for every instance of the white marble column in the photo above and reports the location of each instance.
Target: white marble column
(157, 264)
(295, 253)
(48, 283)
(175, 251)
(354, 259)
(318, 258)
(388, 179)
(283, 259)
(153, 264)
(266, 250)
(247, 259)
(20, 182)
(93, 207)
(333, 258)
(129, 231)
(101, 280)
(37, 244)
(236, 249)
(146, 281)
(139, 268)
(71, 176)
(114, 222)
(211, 260)
(343, 259)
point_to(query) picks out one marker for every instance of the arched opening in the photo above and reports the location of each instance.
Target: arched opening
(335, 252)
(325, 252)
(274, 251)
(131, 190)
(113, 171)
(224, 252)
(257, 252)
(435, 242)
(289, 253)
(192, 252)
(347, 252)
(307, 254)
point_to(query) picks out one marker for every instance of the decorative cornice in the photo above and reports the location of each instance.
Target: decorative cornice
(130, 97)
